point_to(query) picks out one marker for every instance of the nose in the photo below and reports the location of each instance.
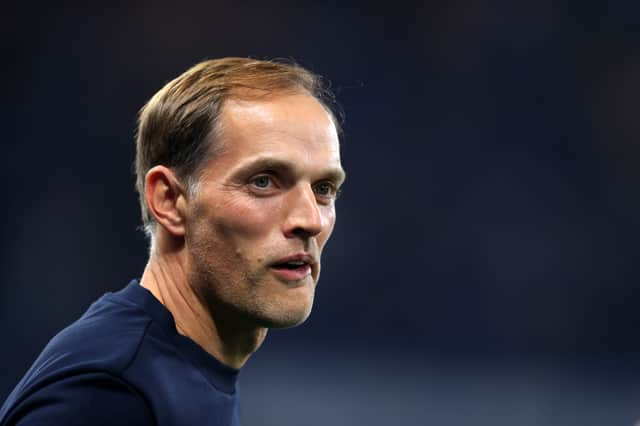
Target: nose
(303, 219)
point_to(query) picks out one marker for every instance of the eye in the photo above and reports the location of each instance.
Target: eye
(262, 181)
(326, 190)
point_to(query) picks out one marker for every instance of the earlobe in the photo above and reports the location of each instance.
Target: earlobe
(165, 199)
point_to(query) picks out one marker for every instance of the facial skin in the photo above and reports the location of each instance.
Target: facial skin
(269, 196)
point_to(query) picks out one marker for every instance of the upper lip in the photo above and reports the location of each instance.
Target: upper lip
(300, 257)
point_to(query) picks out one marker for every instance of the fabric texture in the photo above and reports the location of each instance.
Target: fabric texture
(123, 363)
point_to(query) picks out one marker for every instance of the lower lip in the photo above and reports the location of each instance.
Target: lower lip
(293, 274)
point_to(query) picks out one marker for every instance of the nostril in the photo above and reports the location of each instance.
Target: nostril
(303, 233)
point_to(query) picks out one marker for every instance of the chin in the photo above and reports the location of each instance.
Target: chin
(286, 318)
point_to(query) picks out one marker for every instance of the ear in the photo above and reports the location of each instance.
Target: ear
(165, 198)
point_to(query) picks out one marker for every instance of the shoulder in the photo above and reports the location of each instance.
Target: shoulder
(102, 344)
(109, 323)
(106, 337)
(85, 399)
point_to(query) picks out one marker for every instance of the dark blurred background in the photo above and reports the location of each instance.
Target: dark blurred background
(483, 268)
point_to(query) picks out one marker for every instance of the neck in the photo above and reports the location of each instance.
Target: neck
(166, 277)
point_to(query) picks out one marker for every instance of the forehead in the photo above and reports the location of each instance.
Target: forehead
(297, 113)
(294, 125)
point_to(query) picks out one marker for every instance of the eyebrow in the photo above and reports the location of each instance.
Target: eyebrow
(336, 174)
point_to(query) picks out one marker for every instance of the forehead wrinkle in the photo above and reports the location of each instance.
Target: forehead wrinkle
(265, 133)
(267, 147)
(265, 161)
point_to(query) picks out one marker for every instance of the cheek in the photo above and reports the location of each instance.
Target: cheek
(328, 215)
(242, 219)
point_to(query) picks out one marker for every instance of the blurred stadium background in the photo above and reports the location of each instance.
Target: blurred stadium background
(484, 268)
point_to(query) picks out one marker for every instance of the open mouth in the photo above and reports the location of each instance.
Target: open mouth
(293, 265)
(292, 270)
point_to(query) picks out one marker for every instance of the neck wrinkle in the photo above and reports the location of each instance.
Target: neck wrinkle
(166, 277)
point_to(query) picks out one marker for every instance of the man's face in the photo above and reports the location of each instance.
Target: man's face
(264, 209)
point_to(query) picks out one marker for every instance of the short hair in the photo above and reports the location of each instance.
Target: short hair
(179, 126)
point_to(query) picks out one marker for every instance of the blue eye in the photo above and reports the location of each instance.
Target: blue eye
(262, 181)
(326, 190)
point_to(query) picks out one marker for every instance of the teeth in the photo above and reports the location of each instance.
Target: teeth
(296, 263)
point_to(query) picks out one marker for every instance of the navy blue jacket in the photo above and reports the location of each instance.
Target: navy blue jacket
(123, 363)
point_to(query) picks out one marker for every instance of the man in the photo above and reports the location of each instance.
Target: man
(238, 168)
